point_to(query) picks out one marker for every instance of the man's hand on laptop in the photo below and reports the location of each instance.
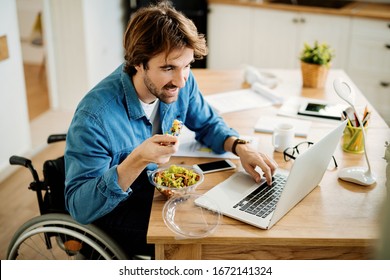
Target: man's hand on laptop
(251, 159)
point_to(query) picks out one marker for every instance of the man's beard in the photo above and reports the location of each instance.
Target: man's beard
(160, 94)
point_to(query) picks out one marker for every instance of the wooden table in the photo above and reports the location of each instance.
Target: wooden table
(338, 220)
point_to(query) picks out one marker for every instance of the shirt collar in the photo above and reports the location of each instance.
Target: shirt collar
(133, 104)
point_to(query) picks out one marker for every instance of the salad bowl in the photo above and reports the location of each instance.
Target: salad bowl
(176, 180)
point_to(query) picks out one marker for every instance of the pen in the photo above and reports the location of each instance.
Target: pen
(347, 118)
(357, 123)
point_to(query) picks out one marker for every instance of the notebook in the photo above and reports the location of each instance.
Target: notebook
(232, 196)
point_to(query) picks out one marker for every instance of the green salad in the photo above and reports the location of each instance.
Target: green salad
(176, 177)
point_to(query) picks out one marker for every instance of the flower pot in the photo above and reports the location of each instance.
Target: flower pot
(314, 75)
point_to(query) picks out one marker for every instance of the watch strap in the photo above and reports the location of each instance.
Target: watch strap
(235, 143)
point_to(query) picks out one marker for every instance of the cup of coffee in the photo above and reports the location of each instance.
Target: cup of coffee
(283, 136)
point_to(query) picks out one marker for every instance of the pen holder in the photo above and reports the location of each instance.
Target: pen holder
(352, 141)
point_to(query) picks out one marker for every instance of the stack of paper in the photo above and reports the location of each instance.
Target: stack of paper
(257, 96)
(237, 100)
(267, 124)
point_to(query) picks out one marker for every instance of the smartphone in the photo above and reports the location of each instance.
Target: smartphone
(322, 110)
(215, 166)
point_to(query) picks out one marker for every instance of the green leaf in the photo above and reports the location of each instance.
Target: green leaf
(319, 53)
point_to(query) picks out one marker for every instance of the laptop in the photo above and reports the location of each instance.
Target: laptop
(239, 196)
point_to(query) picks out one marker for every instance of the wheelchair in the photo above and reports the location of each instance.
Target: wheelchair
(54, 235)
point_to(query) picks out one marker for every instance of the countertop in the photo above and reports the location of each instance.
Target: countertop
(354, 9)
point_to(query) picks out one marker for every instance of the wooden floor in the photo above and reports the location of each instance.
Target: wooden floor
(18, 203)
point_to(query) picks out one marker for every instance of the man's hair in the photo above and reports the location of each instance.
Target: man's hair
(156, 29)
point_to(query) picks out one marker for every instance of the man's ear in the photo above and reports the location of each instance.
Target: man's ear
(141, 67)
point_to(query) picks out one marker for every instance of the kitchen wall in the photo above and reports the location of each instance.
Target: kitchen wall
(14, 123)
(83, 44)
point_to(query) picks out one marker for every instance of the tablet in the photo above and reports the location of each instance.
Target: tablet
(322, 110)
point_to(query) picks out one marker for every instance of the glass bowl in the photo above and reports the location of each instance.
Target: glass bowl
(169, 191)
(187, 220)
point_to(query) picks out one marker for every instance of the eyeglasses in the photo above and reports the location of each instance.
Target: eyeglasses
(293, 152)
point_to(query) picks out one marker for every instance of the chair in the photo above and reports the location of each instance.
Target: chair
(55, 234)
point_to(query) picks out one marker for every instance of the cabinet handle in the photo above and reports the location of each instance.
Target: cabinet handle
(387, 46)
(299, 20)
(385, 84)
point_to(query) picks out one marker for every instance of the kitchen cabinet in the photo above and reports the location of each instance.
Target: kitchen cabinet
(369, 61)
(229, 33)
(270, 38)
(279, 37)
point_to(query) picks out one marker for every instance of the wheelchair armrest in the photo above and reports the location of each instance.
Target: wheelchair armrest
(17, 160)
(56, 138)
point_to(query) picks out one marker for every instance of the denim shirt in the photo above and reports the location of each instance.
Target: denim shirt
(109, 123)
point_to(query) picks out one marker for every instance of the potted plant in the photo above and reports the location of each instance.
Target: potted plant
(315, 64)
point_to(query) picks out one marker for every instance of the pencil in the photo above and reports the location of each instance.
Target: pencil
(365, 112)
(365, 120)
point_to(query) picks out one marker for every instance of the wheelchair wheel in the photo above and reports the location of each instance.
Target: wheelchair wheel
(59, 237)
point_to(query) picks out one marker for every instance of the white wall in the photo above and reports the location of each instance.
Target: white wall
(14, 123)
(67, 54)
(103, 38)
(84, 44)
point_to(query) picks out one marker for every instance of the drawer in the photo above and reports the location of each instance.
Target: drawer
(371, 28)
(370, 56)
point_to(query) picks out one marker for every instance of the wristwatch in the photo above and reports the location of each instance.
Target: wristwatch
(237, 142)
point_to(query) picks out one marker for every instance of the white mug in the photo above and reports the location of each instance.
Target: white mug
(283, 136)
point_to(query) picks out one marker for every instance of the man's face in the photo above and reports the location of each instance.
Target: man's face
(163, 77)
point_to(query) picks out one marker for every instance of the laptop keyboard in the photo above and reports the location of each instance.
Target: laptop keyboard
(262, 201)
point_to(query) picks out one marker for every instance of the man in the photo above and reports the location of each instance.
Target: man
(119, 128)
